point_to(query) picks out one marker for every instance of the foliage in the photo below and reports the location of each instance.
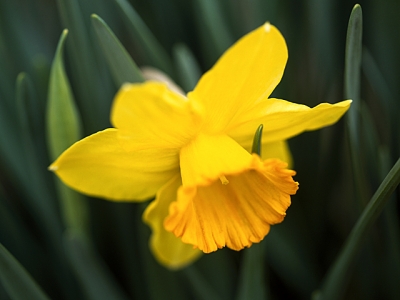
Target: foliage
(67, 246)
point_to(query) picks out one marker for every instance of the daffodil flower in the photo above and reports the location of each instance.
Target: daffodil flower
(191, 152)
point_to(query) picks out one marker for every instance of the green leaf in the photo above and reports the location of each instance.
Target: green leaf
(320, 16)
(353, 55)
(39, 197)
(219, 273)
(187, 67)
(335, 281)
(352, 68)
(64, 129)
(252, 282)
(199, 284)
(288, 258)
(12, 225)
(257, 142)
(63, 121)
(390, 265)
(11, 150)
(25, 101)
(352, 71)
(27, 109)
(16, 280)
(151, 49)
(93, 90)
(122, 66)
(213, 28)
(92, 273)
(161, 282)
(385, 97)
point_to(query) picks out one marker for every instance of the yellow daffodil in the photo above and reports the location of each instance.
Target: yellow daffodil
(191, 152)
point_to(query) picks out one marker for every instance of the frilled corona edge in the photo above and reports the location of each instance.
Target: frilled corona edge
(234, 210)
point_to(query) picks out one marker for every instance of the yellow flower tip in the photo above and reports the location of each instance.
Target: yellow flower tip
(233, 215)
(347, 103)
(52, 168)
(267, 26)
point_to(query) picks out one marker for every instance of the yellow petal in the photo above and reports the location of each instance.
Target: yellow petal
(150, 115)
(98, 166)
(246, 72)
(283, 119)
(279, 150)
(236, 214)
(209, 157)
(166, 247)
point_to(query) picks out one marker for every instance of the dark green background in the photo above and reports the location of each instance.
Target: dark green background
(115, 263)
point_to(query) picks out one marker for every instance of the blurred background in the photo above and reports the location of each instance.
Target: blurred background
(338, 168)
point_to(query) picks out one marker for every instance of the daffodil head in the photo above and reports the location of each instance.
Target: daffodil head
(192, 152)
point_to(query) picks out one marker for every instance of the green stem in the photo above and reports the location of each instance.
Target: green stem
(252, 282)
(200, 285)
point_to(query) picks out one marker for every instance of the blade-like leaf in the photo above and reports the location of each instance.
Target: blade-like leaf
(213, 28)
(352, 70)
(385, 97)
(92, 90)
(63, 121)
(151, 49)
(334, 284)
(64, 129)
(122, 66)
(257, 142)
(187, 67)
(96, 280)
(352, 91)
(16, 280)
(39, 199)
(161, 283)
(353, 55)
